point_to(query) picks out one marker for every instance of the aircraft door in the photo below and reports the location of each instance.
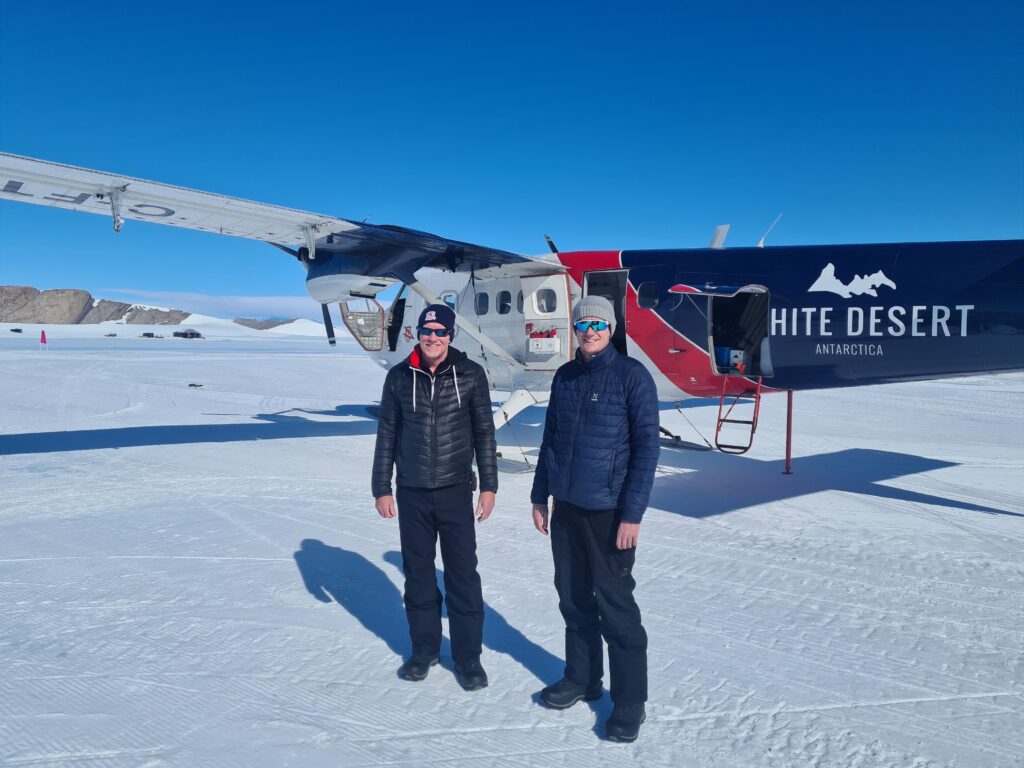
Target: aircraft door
(546, 313)
(611, 284)
(738, 333)
(397, 317)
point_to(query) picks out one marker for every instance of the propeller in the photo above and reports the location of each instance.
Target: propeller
(328, 324)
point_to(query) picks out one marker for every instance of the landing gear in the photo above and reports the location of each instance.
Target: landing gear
(672, 440)
(517, 401)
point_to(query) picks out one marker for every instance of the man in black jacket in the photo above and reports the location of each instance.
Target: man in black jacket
(435, 413)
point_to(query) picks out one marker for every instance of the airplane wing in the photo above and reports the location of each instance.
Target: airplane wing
(41, 182)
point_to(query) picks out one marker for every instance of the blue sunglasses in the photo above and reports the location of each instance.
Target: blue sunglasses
(582, 326)
(439, 332)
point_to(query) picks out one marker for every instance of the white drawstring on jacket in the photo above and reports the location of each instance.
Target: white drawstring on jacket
(415, 370)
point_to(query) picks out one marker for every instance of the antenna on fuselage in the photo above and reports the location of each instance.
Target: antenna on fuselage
(760, 243)
(718, 239)
(551, 244)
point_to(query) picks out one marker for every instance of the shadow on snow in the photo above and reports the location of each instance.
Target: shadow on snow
(268, 426)
(365, 590)
(717, 483)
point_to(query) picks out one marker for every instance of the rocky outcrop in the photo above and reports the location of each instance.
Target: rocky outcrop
(104, 310)
(68, 306)
(148, 316)
(64, 306)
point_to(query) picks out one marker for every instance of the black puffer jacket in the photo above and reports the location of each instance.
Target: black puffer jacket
(430, 425)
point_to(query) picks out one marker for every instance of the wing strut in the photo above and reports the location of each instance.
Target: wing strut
(465, 326)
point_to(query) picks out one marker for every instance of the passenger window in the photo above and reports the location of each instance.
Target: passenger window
(547, 301)
(647, 295)
(503, 302)
(483, 302)
(519, 303)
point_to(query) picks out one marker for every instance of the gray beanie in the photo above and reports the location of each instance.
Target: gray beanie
(594, 306)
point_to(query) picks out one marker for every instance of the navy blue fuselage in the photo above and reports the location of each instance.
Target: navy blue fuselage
(840, 315)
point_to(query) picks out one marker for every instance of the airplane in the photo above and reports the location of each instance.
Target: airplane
(730, 323)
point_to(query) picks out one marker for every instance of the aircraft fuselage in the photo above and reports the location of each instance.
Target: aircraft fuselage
(801, 317)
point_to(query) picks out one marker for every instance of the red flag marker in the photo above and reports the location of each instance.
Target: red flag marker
(42, 339)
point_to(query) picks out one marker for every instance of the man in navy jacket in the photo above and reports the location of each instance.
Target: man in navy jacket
(597, 460)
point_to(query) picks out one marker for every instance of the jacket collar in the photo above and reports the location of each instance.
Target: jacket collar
(415, 360)
(601, 360)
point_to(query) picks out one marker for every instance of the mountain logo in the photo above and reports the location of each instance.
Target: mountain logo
(827, 282)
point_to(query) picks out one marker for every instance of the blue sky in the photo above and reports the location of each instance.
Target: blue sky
(604, 125)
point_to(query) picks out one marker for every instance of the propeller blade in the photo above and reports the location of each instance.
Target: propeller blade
(328, 324)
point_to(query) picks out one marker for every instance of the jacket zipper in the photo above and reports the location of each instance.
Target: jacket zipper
(576, 426)
(433, 433)
(433, 422)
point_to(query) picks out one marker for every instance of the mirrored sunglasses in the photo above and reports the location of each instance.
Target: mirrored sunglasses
(582, 326)
(439, 332)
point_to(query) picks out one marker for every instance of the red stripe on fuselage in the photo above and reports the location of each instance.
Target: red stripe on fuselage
(690, 370)
(578, 262)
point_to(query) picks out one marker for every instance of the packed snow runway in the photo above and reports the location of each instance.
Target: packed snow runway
(195, 576)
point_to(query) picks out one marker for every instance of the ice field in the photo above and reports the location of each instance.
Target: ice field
(195, 575)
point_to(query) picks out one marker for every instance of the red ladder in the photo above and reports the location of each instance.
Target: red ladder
(752, 423)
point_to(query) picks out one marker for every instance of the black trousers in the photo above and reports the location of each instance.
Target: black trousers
(595, 587)
(424, 515)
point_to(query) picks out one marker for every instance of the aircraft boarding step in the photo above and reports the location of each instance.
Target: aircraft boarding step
(726, 419)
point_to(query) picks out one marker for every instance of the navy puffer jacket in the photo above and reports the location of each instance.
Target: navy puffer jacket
(432, 425)
(601, 440)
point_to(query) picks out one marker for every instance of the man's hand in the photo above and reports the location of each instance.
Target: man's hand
(628, 536)
(484, 505)
(540, 518)
(386, 506)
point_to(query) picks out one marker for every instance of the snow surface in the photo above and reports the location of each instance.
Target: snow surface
(210, 327)
(195, 576)
(303, 327)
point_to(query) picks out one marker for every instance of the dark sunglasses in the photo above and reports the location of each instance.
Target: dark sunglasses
(439, 332)
(582, 326)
